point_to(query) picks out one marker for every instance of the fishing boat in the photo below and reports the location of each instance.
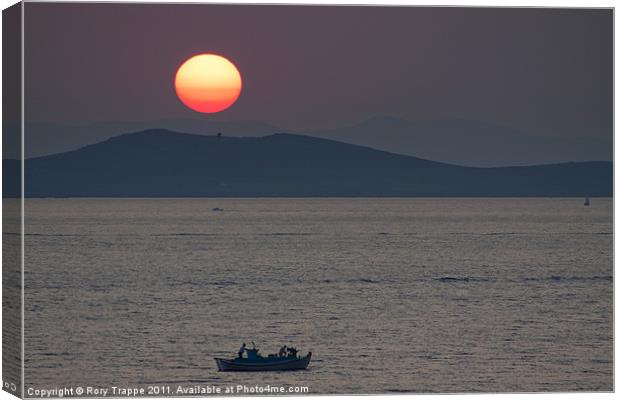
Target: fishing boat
(256, 362)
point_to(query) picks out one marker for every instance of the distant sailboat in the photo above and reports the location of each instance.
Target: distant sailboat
(587, 202)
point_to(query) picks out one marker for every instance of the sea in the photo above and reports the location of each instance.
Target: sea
(391, 295)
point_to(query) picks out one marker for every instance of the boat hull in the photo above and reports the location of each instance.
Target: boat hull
(235, 365)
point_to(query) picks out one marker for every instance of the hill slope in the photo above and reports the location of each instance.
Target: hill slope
(161, 163)
(45, 139)
(454, 141)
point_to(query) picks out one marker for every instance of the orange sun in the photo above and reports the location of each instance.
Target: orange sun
(208, 83)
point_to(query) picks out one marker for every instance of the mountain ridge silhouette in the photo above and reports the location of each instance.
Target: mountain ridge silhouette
(164, 163)
(456, 141)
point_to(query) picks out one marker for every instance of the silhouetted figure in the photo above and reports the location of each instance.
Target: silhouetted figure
(282, 351)
(292, 352)
(219, 135)
(241, 350)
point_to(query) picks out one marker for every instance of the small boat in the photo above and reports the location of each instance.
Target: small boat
(217, 209)
(586, 202)
(256, 362)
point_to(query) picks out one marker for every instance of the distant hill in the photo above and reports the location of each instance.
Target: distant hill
(470, 143)
(162, 163)
(45, 139)
(461, 142)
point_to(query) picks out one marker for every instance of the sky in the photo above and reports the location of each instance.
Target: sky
(543, 71)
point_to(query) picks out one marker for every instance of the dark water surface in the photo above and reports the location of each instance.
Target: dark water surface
(390, 295)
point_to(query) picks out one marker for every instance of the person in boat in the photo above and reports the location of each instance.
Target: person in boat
(292, 352)
(241, 350)
(282, 351)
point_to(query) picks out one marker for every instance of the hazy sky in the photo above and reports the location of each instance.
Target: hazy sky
(543, 71)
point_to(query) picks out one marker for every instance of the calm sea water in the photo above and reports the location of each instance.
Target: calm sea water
(390, 295)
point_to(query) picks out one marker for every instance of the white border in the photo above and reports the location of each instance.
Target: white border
(23, 200)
